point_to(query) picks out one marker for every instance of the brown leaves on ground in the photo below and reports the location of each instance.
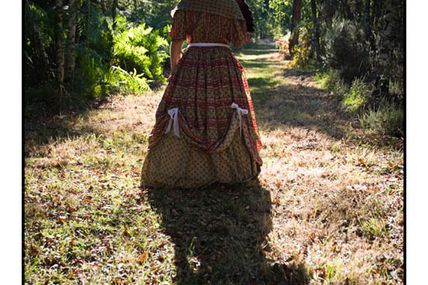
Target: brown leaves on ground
(327, 209)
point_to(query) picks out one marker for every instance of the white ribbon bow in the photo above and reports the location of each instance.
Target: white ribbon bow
(240, 112)
(173, 122)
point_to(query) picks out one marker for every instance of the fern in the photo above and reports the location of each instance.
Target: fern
(143, 49)
(121, 80)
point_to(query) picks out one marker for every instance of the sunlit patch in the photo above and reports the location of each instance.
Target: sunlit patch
(336, 204)
(194, 264)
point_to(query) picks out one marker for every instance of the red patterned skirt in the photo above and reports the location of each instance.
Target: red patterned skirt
(206, 129)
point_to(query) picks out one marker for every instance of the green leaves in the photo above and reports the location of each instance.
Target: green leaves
(142, 49)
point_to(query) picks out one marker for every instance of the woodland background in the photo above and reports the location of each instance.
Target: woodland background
(328, 86)
(84, 49)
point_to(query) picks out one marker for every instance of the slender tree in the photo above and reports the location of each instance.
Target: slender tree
(315, 40)
(295, 19)
(71, 43)
(59, 42)
(113, 12)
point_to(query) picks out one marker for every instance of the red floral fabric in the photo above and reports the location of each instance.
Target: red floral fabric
(199, 137)
(198, 27)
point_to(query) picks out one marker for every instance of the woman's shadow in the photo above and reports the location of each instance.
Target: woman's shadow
(220, 234)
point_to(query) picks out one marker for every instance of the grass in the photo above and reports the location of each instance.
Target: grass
(327, 208)
(357, 95)
(387, 119)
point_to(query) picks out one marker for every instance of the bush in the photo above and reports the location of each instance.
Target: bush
(93, 53)
(357, 95)
(328, 79)
(301, 56)
(120, 80)
(388, 119)
(353, 97)
(126, 60)
(301, 52)
(92, 68)
(345, 49)
(143, 49)
(332, 81)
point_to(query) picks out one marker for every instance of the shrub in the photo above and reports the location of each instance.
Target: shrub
(301, 56)
(328, 79)
(388, 119)
(125, 60)
(345, 49)
(357, 95)
(92, 67)
(332, 81)
(301, 52)
(143, 49)
(120, 80)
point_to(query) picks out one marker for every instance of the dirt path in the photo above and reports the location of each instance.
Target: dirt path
(328, 208)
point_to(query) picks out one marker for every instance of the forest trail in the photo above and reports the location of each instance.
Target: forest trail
(328, 208)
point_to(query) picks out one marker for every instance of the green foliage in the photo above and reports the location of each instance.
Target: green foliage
(387, 57)
(123, 81)
(281, 11)
(128, 58)
(328, 79)
(142, 49)
(301, 52)
(332, 81)
(92, 67)
(156, 14)
(387, 119)
(124, 60)
(97, 32)
(353, 97)
(38, 42)
(44, 22)
(357, 95)
(93, 53)
(345, 49)
(264, 18)
(374, 227)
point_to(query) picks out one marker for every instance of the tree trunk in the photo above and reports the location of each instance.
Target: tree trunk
(315, 45)
(113, 13)
(71, 43)
(367, 18)
(297, 13)
(368, 24)
(59, 47)
(87, 20)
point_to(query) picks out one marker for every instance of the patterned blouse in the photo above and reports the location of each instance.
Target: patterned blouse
(202, 27)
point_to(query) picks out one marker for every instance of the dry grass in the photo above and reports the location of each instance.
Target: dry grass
(328, 207)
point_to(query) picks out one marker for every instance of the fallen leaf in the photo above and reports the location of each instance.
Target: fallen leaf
(142, 257)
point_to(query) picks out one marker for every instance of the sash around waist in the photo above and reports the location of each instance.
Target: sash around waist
(208, 45)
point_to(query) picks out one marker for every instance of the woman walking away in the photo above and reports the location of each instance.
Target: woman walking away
(206, 129)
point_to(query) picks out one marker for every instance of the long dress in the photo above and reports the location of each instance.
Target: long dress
(206, 129)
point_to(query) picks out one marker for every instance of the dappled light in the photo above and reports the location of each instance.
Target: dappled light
(320, 198)
(327, 206)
